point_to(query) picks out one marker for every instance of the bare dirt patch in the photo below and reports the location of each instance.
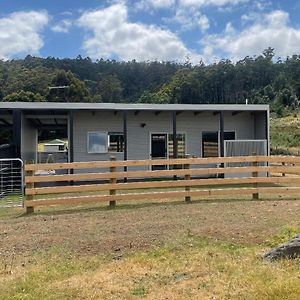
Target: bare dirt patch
(129, 228)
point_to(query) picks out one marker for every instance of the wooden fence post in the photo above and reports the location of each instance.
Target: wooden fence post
(29, 209)
(187, 177)
(112, 192)
(255, 196)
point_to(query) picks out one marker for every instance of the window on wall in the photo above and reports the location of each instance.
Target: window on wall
(115, 142)
(229, 135)
(97, 142)
(180, 145)
(210, 142)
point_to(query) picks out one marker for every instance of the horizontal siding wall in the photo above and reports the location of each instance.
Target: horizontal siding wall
(242, 123)
(88, 121)
(140, 127)
(139, 137)
(193, 125)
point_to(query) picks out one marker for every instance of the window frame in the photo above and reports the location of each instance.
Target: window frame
(88, 142)
(218, 137)
(108, 141)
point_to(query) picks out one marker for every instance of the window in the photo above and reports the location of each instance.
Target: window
(229, 135)
(180, 145)
(97, 142)
(210, 142)
(115, 142)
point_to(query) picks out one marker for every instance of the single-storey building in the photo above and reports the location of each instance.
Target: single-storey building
(97, 131)
(55, 146)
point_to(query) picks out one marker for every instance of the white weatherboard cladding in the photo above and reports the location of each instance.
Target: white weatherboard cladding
(242, 123)
(88, 121)
(139, 137)
(193, 125)
(141, 125)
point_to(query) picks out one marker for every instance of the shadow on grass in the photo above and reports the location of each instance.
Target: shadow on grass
(80, 209)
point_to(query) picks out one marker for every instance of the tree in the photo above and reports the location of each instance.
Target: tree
(260, 79)
(110, 89)
(23, 96)
(268, 53)
(65, 87)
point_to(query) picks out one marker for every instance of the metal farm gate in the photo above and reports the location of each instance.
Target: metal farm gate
(11, 182)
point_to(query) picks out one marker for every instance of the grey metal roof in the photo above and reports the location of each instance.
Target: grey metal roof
(132, 107)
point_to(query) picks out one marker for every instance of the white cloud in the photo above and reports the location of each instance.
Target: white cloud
(266, 30)
(229, 28)
(63, 26)
(163, 3)
(67, 13)
(189, 18)
(20, 33)
(262, 4)
(203, 23)
(157, 4)
(113, 35)
(200, 3)
(187, 13)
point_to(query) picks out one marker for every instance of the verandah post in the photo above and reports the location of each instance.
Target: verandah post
(187, 177)
(29, 173)
(255, 196)
(112, 192)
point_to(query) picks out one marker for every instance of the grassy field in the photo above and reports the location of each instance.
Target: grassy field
(285, 134)
(204, 250)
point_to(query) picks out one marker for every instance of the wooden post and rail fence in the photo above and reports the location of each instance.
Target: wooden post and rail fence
(92, 182)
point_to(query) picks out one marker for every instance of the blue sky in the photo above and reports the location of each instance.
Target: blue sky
(176, 30)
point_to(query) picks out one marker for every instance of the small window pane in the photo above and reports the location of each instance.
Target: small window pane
(115, 142)
(229, 135)
(97, 142)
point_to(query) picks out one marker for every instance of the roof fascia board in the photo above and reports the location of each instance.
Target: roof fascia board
(131, 107)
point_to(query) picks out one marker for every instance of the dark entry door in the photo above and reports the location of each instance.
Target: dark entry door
(158, 148)
(158, 145)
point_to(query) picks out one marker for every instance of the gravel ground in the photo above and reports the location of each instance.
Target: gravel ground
(129, 228)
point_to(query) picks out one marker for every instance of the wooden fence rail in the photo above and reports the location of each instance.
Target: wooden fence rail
(195, 177)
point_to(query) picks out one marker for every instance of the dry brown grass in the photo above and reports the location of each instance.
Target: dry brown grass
(189, 268)
(203, 250)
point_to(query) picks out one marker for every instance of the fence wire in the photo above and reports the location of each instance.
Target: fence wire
(11, 183)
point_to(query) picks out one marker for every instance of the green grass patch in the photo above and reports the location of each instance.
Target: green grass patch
(285, 135)
(138, 291)
(287, 233)
(34, 278)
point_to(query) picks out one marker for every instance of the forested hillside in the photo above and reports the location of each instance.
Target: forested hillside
(260, 79)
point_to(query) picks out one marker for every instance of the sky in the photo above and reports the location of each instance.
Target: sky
(163, 30)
